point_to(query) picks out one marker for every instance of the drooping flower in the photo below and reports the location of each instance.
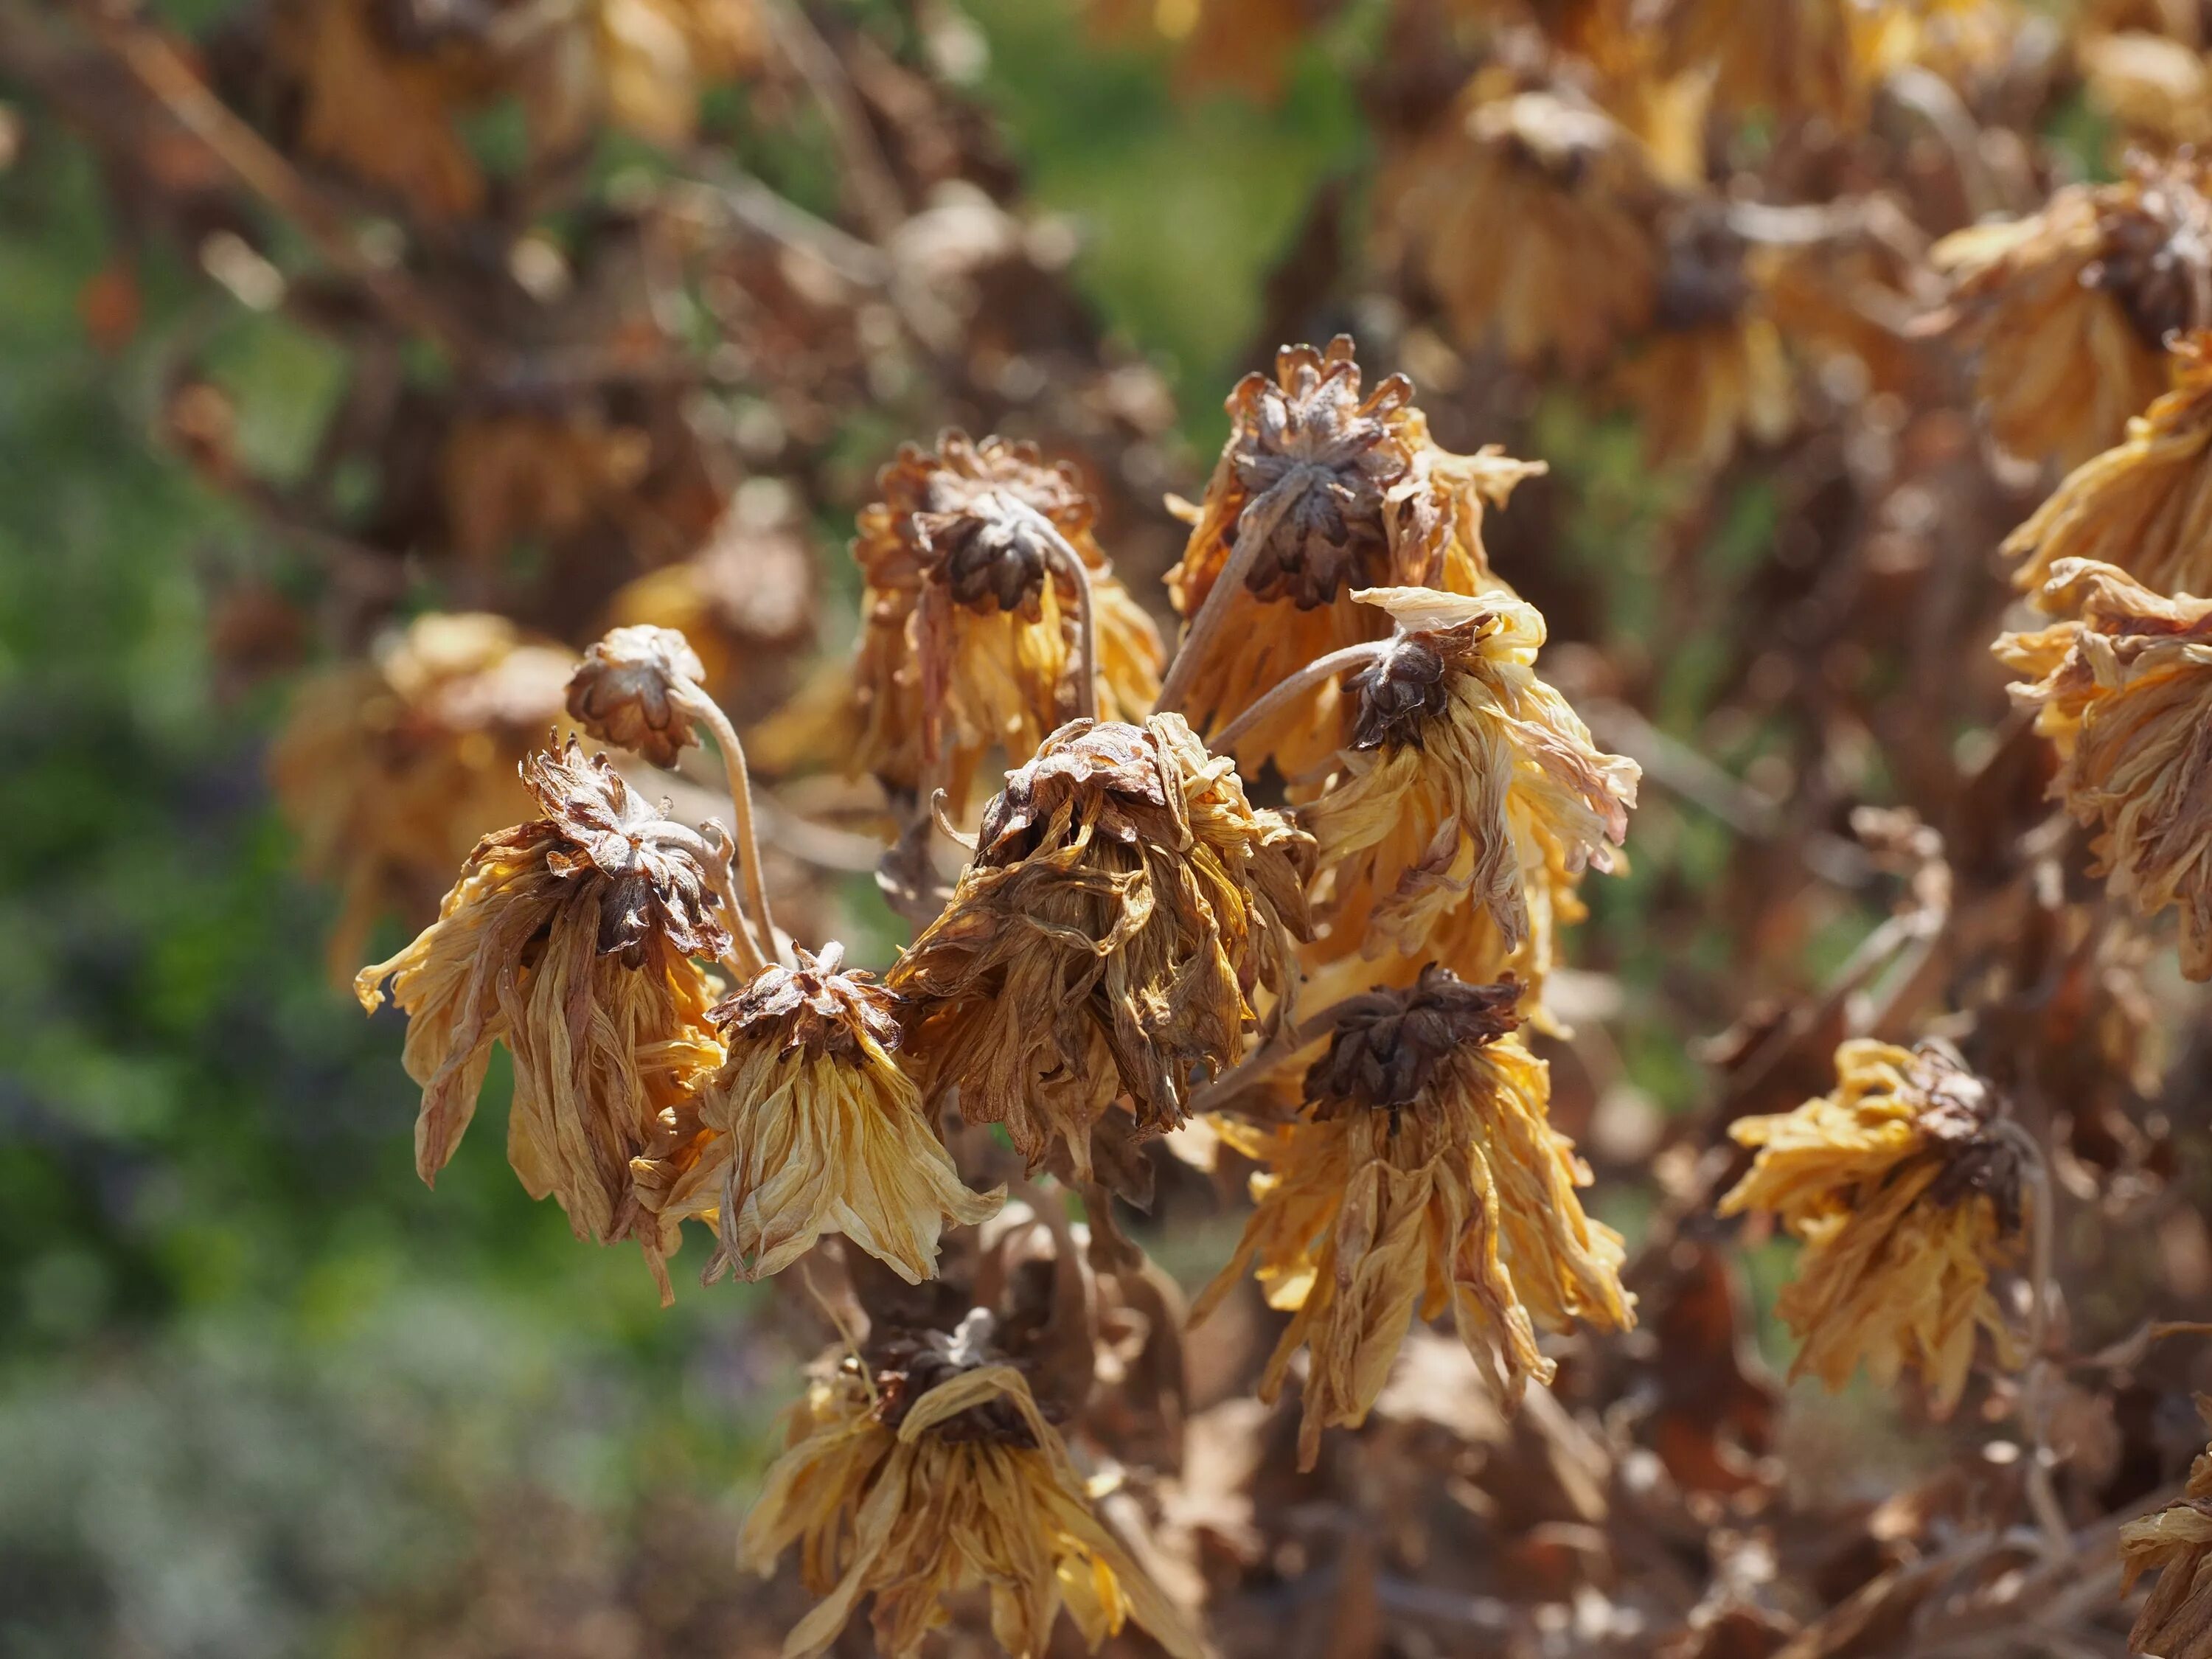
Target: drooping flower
(969, 634)
(2124, 692)
(2176, 1543)
(1341, 490)
(1422, 1176)
(813, 1127)
(913, 1484)
(1905, 1197)
(1124, 904)
(626, 691)
(1471, 793)
(2144, 506)
(574, 939)
(389, 770)
(2069, 306)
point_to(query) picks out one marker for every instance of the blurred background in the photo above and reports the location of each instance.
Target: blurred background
(321, 317)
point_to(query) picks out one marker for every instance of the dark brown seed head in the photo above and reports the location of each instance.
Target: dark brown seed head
(1958, 1115)
(815, 1007)
(1388, 1044)
(908, 1364)
(2157, 262)
(947, 509)
(1393, 697)
(1110, 771)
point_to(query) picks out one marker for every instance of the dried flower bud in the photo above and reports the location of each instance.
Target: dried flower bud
(2176, 1543)
(1905, 1196)
(2069, 307)
(571, 939)
(1337, 490)
(2124, 693)
(913, 1514)
(1398, 694)
(1123, 902)
(968, 635)
(1423, 1175)
(626, 691)
(811, 1127)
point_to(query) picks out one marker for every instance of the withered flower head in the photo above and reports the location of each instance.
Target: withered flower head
(571, 939)
(2139, 505)
(625, 691)
(915, 1485)
(968, 639)
(1905, 1196)
(1795, 58)
(813, 1127)
(1473, 799)
(1322, 488)
(2069, 307)
(1124, 903)
(1423, 1174)
(2176, 1543)
(2124, 693)
(389, 770)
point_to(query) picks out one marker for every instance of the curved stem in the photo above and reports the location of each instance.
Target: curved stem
(2042, 1497)
(744, 958)
(1086, 614)
(703, 709)
(1297, 686)
(1255, 527)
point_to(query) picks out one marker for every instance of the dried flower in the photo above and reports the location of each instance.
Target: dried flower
(2176, 1543)
(1818, 57)
(2144, 506)
(1422, 1175)
(916, 1486)
(813, 1128)
(968, 639)
(626, 691)
(1903, 1196)
(2121, 693)
(2069, 307)
(1470, 787)
(1124, 903)
(389, 770)
(571, 939)
(1342, 491)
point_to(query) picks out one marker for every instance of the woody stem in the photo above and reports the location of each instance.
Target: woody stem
(1297, 686)
(699, 706)
(2041, 1495)
(1255, 527)
(1077, 573)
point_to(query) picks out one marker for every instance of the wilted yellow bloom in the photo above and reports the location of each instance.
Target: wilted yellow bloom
(2153, 88)
(2146, 506)
(1700, 384)
(389, 770)
(813, 1128)
(1423, 1175)
(2176, 1543)
(570, 938)
(916, 1486)
(968, 639)
(2124, 693)
(626, 689)
(1905, 1197)
(1124, 903)
(1794, 58)
(1344, 491)
(1470, 791)
(2068, 306)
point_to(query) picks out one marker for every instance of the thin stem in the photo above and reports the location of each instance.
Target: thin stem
(702, 708)
(2033, 1391)
(1255, 527)
(1086, 614)
(1297, 686)
(744, 958)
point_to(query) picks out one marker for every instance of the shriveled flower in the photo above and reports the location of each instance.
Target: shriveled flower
(2176, 1543)
(968, 636)
(1124, 903)
(2069, 307)
(2124, 692)
(625, 691)
(2153, 88)
(814, 1128)
(1342, 490)
(2144, 506)
(572, 939)
(913, 1485)
(389, 770)
(1470, 787)
(1905, 1196)
(1794, 58)
(1423, 1174)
